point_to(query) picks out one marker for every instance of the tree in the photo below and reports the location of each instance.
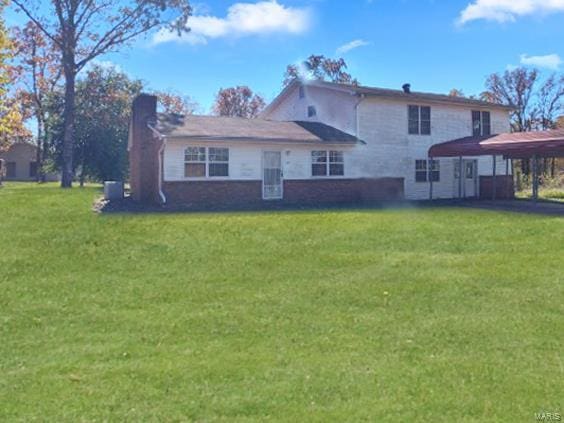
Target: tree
(11, 112)
(537, 104)
(319, 68)
(515, 87)
(239, 102)
(39, 64)
(171, 102)
(103, 111)
(560, 122)
(549, 102)
(82, 30)
(456, 93)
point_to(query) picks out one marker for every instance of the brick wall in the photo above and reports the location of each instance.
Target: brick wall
(144, 149)
(504, 187)
(202, 195)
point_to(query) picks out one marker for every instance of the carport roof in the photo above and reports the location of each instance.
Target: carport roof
(512, 145)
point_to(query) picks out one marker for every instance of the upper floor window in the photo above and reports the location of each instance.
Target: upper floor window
(311, 111)
(327, 163)
(201, 162)
(301, 91)
(481, 123)
(419, 120)
(427, 170)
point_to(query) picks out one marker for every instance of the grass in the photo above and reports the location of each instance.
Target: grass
(347, 315)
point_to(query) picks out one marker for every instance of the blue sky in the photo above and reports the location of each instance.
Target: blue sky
(435, 45)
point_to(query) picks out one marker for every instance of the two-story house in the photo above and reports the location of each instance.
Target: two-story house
(316, 143)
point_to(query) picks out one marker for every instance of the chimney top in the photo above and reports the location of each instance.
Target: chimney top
(406, 88)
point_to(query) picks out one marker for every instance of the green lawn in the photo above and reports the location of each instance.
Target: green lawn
(441, 315)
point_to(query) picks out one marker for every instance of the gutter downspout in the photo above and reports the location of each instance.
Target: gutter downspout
(161, 155)
(361, 98)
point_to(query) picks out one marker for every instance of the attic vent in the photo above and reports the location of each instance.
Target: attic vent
(406, 88)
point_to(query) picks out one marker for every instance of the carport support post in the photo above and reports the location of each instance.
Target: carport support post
(429, 176)
(535, 178)
(494, 181)
(460, 177)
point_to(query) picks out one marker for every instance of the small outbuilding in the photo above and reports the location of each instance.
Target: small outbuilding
(20, 162)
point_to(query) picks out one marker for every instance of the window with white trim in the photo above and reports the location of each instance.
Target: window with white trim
(202, 162)
(327, 163)
(426, 170)
(419, 120)
(218, 162)
(481, 123)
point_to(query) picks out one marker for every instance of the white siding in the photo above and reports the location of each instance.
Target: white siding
(245, 159)
(382, 123)
(333, 108)
(391, 151)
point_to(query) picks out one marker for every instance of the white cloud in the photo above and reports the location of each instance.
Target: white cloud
(351, 46)
(104, 64)
(263, 17)
(508, 10)
(550, 61)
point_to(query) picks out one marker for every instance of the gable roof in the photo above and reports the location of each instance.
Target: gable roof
(220, 128)
(360, 90)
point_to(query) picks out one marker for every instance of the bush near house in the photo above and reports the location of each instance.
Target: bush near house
(344, 315)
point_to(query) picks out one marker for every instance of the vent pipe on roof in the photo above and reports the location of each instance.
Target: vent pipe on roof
(406, 88)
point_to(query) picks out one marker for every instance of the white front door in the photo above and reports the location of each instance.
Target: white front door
(468, 187)
(272, 184)
(470, 174)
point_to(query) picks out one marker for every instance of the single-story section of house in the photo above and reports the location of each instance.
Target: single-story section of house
(203, 162)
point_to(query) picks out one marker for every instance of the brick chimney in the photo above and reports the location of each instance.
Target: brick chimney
(144, 151)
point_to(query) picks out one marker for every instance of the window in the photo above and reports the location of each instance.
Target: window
(435, 170)
(319, 163)
(336, 163)
(423, 175)
(311, 112)
(469, 170)
(419, 120)
(195, 162)
(481, 123)
(327, 163)
(33, 169)
(11, 170)
(219, 162)
(420, 170)
(196, 165)
(301, 91)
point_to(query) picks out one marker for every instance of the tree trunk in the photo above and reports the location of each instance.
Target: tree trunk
(39, 154)
(68, 116)
(41, 146)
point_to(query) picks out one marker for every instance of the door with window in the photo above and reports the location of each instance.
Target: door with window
(272, 182)
(468, 187)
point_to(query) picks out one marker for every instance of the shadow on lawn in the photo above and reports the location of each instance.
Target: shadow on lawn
(128, 206)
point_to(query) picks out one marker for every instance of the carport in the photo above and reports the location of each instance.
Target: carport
(518, 145)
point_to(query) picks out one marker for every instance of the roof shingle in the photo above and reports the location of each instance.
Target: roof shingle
(216, 128)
